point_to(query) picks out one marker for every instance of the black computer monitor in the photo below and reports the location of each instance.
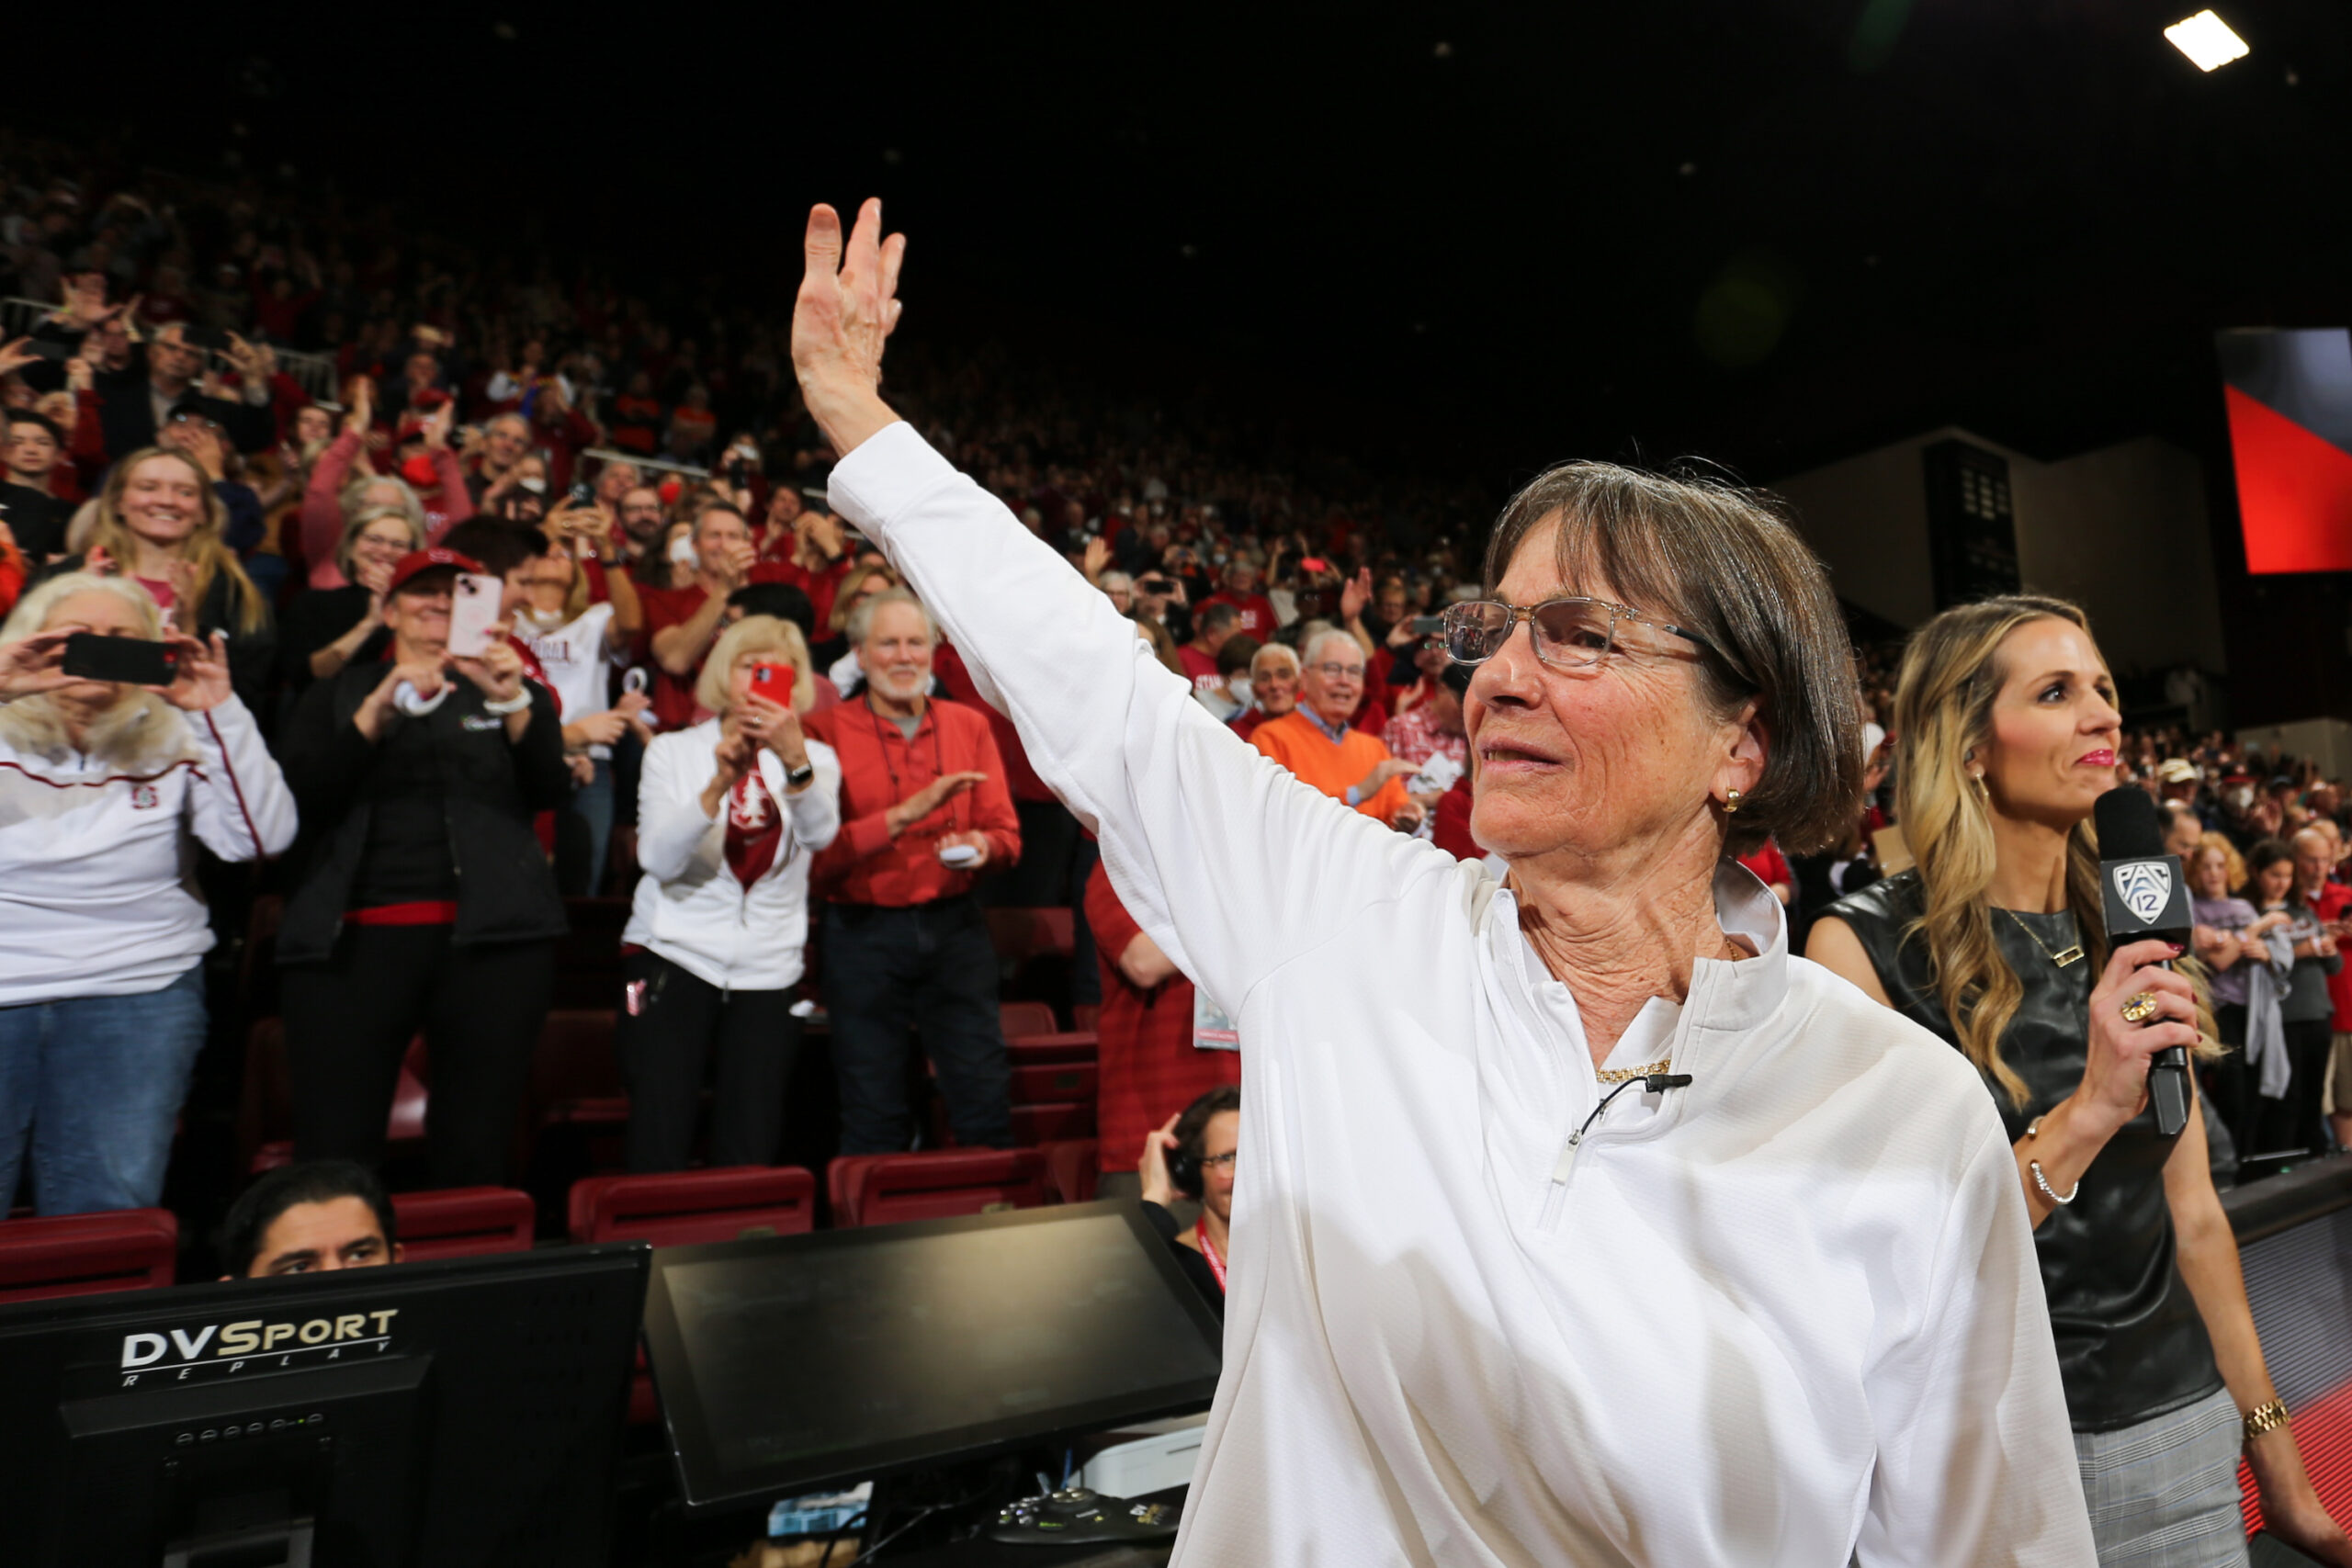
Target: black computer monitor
(428, 1413)
(791, 1361)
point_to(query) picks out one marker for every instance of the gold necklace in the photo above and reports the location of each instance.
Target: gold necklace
(2063, 958)
(1627, 1075)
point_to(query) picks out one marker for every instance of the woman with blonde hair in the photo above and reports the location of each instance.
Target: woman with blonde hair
(160, 523)
(105, 791)
(729, 813)
(2007, 727)
(327, 628)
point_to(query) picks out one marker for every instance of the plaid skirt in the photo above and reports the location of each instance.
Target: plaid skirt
(2164, 1494)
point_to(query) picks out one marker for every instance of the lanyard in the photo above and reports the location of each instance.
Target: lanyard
(938, 759)
(1208, 1250)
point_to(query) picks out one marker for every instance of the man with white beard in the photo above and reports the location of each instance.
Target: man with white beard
(924, 811)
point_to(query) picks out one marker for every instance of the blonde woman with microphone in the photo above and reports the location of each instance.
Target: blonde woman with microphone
(2006, 729)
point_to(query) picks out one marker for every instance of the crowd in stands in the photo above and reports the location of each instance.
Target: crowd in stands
(314, 453)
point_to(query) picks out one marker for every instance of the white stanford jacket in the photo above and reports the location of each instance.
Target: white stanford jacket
(97, 868)
(689, 907)
(1789, 1314)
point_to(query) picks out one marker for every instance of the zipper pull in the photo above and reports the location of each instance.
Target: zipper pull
(1567, 1160)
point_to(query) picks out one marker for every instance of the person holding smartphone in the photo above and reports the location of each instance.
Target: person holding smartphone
(122, 746)
(409, 771)
(729, 814)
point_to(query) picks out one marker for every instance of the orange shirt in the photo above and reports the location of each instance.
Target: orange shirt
(1298, 744)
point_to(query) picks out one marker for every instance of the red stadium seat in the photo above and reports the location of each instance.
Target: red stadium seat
(1054, 1121)
(82, 1255)
(576, 1072)
(462, 1222)
(1021, 1019)
(1039, 1082)
(1070, 1165)
(1065, 1046)
(1087, 1016)
(681, 1208)
(880, 1190)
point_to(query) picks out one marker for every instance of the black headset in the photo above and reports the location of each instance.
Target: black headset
(1185, 1171)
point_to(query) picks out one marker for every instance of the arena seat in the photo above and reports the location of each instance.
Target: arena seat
(880, 1190)
(1021, 1021)
(1051, 1122)
(463, 1222)
(1070, 1165)
(681, 1208)
(1037, 1083)
(1063, 1046)
(1086, 1016)
(576, 1071)
(82, 1255)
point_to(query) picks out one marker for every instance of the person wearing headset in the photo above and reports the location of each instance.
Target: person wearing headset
(1191, 1155)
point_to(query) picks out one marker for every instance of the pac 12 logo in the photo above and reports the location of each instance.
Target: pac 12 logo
(2145, 887)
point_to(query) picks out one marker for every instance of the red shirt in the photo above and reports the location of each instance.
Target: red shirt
(1020, 778)
(1257, 618)
(674, 695)
(1201, 668)
(2331, 902)
(1150, 1068)
(1451, 830)
(880, 767)
(1769, 866)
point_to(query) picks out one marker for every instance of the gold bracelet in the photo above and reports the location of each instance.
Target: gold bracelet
(2264, 1417)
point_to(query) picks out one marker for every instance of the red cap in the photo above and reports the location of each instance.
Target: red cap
(425, 560)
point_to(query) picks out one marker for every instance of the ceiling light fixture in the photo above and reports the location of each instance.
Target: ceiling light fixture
(2207, 41)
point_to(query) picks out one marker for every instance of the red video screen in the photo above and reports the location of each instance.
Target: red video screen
(2290, 394)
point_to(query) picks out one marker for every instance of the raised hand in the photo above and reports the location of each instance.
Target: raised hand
(1098, 556)
(498, 671)
(14, 356)
(201, 679)
(1354, 594)
(846, 310)
(30, 664)
(928, 799)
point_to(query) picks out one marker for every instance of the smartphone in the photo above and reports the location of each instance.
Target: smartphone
(473, 610)
(49, 348)
(1429, 625)
(133, 661)
(776, 683)
(959, 857)
(212, 340)
(1314, 563)
(583, 494)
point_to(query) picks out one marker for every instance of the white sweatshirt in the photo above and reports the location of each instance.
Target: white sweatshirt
(689, 907)
(96, 867)
(1786, 1315)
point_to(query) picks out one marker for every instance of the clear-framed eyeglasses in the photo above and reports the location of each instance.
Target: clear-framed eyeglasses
(1573, 633)
(1220, 1162)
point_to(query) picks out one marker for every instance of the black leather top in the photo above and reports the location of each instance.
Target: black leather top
(2131, 1344)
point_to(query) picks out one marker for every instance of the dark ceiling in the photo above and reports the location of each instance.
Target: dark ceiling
(1770, 232)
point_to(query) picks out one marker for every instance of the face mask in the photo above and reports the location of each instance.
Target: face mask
(546, 620)
(1239, 687)
(682, 550)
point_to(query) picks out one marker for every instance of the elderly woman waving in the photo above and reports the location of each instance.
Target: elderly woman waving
(1580, 1223)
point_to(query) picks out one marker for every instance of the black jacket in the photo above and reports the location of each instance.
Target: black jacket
(456, 758)
(127, 411)
(2132, 1344)
(253, 655)
(1195, 1267)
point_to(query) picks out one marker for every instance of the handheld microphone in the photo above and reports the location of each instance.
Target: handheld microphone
(2147, 897)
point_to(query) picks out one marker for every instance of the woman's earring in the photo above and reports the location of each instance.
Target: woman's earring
(1731, 801)
(1983, 792)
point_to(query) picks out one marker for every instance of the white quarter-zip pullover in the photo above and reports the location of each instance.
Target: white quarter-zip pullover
(1789, 1314)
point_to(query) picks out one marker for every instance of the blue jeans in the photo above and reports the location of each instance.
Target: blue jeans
(94, 1085)
(592, 804)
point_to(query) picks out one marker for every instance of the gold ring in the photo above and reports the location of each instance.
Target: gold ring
(2140, 1007)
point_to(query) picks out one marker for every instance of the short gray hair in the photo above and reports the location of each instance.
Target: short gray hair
(1274, 652)
(1316, 639)
(1725, 562)
(861, 620)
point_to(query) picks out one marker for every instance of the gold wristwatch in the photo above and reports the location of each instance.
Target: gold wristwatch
(2264, 1417)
